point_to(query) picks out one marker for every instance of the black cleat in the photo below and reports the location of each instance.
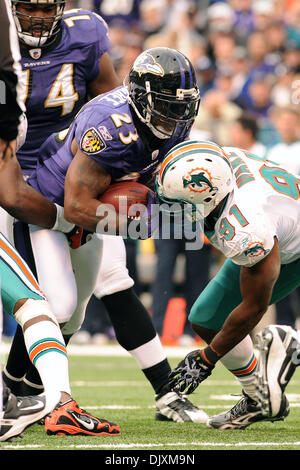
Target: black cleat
(247, 411)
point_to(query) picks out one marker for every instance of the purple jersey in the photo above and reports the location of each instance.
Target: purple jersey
(116, 11)
(105, 132)
(55, 79)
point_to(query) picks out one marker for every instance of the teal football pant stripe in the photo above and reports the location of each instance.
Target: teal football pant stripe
(222, 294)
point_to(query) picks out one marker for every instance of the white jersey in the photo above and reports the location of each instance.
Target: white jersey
(265, 203)
(286, 155)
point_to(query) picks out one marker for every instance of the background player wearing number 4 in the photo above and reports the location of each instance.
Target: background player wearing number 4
(114, 284)
(251, 211)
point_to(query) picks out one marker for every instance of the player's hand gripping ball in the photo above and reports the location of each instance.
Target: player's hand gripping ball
(131, 201)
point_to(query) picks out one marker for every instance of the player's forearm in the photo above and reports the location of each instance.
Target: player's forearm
(83, 215)
(257, 285)
(88, 214)
(26, 204)
(238, 325)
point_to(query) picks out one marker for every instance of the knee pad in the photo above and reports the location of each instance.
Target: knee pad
(74, 324)
(54, 270)
(33, 309)
(86, 264)
(113, 275)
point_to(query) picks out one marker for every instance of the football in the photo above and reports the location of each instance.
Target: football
(125, 196)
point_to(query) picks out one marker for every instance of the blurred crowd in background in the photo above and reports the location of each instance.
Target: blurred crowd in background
(246, 54)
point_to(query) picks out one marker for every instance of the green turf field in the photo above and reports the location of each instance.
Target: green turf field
(114, 388)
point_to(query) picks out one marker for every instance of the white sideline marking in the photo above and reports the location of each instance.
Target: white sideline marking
(113, 383)
(225, 397)
(108, 350)
(143, 383)
(292, 397)
(150, 407)
(152, 445)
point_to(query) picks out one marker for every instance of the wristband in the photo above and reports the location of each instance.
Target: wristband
(209, 355)
(61, 224)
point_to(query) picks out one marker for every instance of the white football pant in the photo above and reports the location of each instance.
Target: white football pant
(68, 277)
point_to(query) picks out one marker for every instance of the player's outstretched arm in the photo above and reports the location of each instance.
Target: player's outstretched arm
(20, 200)
(256, 284)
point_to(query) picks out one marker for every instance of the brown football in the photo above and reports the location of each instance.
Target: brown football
(125, 195)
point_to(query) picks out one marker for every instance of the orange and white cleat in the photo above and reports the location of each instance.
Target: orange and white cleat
(69, 420)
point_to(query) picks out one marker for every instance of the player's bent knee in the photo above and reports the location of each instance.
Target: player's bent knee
(63, 307)
(204, 333)
(113, 281)
(195, 316)
(32, 309)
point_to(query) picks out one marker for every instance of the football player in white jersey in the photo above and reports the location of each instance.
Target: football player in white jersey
(251, 210)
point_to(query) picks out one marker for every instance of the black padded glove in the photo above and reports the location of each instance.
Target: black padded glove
(189, 373)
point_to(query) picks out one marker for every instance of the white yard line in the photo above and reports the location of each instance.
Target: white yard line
(107, 350)
(141, 383)
(157, 445)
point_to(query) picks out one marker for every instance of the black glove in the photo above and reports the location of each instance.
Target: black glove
(189, 373)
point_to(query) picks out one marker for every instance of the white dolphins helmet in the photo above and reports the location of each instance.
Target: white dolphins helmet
(196, 173)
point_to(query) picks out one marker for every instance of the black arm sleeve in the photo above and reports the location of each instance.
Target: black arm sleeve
(11, 106)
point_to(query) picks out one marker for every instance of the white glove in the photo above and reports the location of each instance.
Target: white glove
(61, 224)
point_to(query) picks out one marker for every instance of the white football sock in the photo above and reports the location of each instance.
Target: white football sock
(47, 352)
(149, 354)
(242, 362)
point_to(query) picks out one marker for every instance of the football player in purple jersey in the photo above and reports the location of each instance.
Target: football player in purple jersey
(65, 57)
(123, 135)
(21, 295)
(114, 285)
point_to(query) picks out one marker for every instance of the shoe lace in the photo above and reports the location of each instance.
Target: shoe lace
(243, 406)
(240, 408)
(188, 405)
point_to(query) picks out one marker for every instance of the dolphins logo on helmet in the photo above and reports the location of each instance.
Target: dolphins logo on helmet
(198, 180)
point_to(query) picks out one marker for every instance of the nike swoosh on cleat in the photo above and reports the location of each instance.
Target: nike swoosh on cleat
(33, 407)
(87, 424)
